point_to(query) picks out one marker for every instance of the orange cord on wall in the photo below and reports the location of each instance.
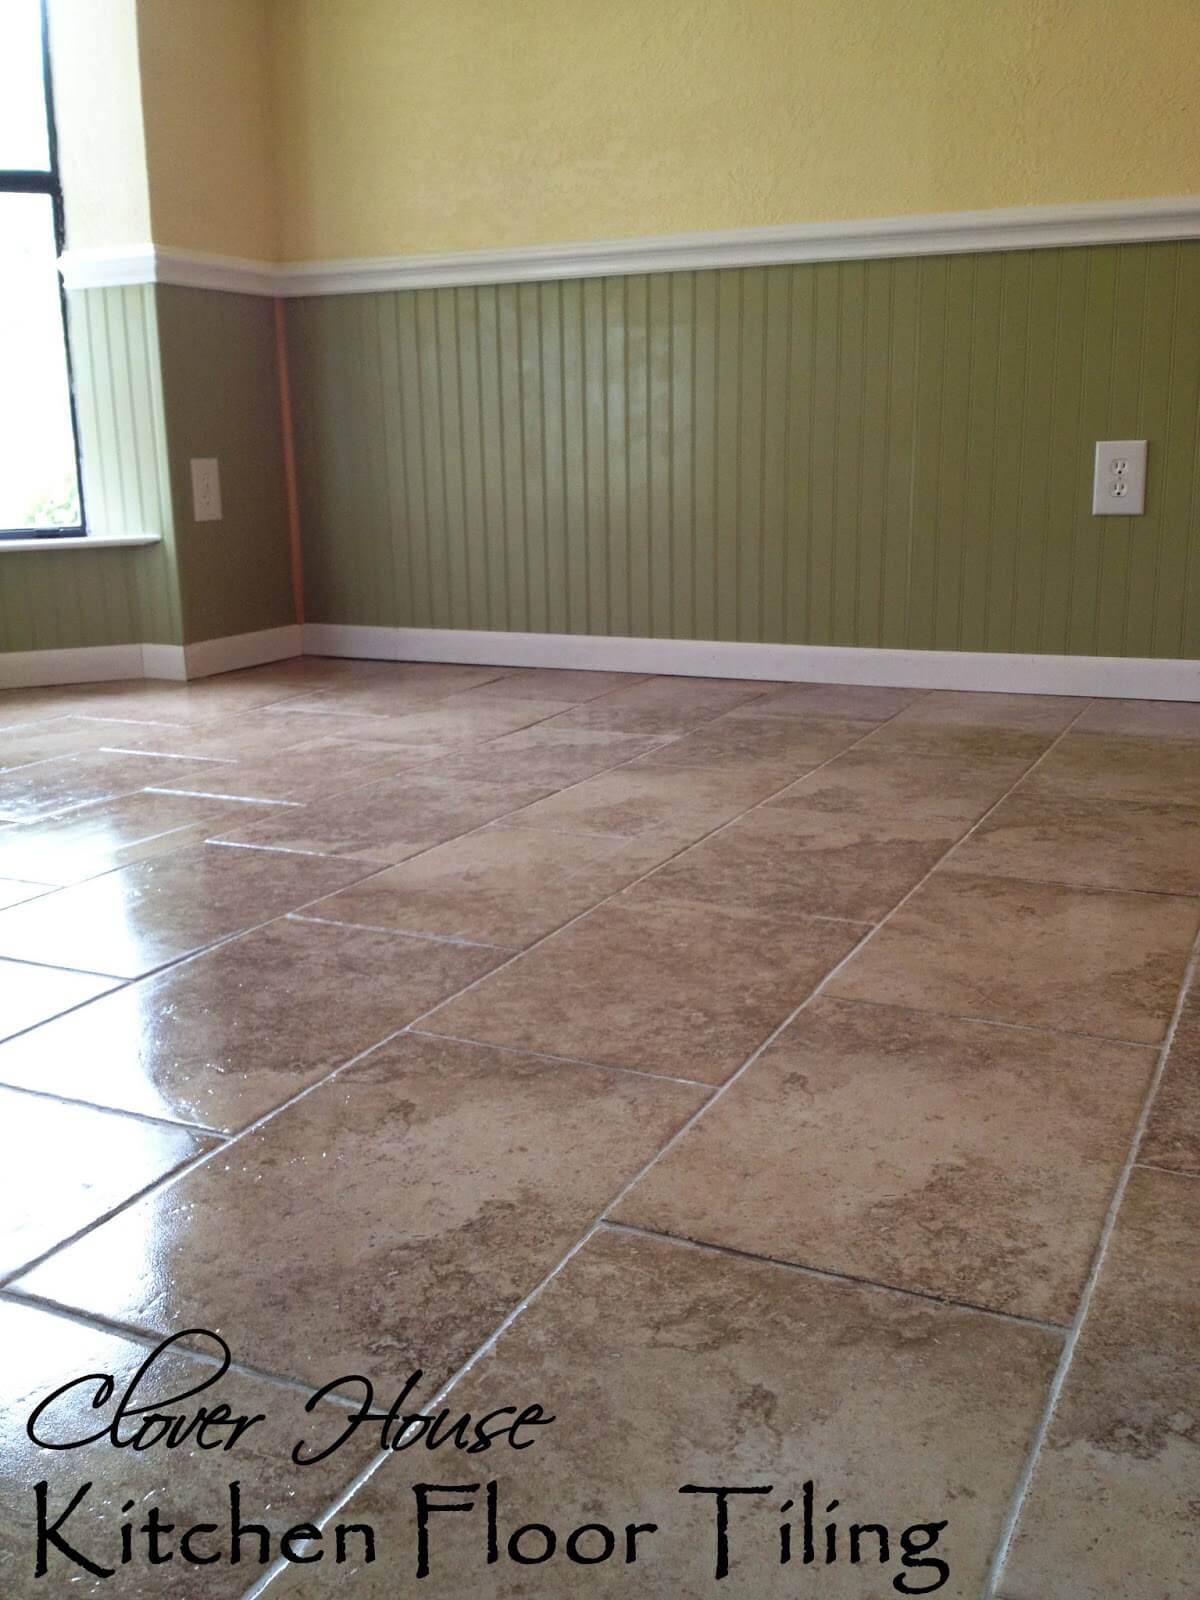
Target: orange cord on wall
(289, 460)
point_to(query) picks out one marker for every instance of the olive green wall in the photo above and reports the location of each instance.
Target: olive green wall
(885, 453)
(161, 375)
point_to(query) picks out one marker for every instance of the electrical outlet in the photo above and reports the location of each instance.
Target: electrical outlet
(206, 489)
(1119, 485)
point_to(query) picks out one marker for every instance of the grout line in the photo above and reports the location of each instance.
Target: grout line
(828, 1275)
(1058, 1382)
(489, 1343)
(546, 1055)
(72, 1101)
(114, 978)
(1172, 1172)
(402, 933)
(992, 1022)
(279, 849)
(205, 794)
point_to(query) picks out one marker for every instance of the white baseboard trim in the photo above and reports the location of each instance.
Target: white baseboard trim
(27, 669)
(98, 663)
(1115, 677)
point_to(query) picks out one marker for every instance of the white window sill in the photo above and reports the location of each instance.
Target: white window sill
(93, 541)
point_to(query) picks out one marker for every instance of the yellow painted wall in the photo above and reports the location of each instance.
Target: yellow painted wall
(206, 102)
(98, 110)
(452, 124)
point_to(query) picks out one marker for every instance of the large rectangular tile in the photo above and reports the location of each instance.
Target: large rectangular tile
(809, 859)
(1156, 719)
(501, 885)
(224, 1038)
(272, 730)
(1042, 831)
(777, 747)
(384, 822)
(31, 994)
(978, 726)
(395, 690)
(644, 981)
(665, 705)
(957, 1159)
(64, 1166)
(1112, 1510)
(420, 1194)
(1124, 767)
(66, 782)
(860, 702)
(546, 755)
(301, 773)
(559, 683)
(1088, 961)
(189, 1487)
(131, 921)
(667, 1366)
(25, 743)
(14, 890)
(671, 806)
(883, 785)
(1172, 1137)
(115, 833)
(470, 719)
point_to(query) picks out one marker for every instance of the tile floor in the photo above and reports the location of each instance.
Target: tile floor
(780, 1083)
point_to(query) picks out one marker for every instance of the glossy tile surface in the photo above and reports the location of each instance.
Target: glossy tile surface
(1087, 961)
(665, 705)
(780, 747)
(451, 1178)
(129, 922)
(221, 1039)
(955, 1159)
(665, 1365)
(664, 804)
(66, 1166)
(66, 782)
(12, 892)
(501, 885)
(188, 1485)
(653, 983)
(31, 994)
(1112, 1510)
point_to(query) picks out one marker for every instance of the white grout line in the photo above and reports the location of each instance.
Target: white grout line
(71, 1101)
(546, 1055)
(1058, 1382)
(402, 933)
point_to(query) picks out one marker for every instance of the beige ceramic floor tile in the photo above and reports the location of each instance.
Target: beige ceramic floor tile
(556, 683)
(68, 782)
(951, 1158)
(190, 1486)
(501, 885)
(271, 730)
(1041, 831)
(24, 744)
(470, 719)
(13, 891)
(643, 981)
(1158, 719)
(860, 702)
(884, 785)
(131, 921)
(303, 773)
(224, 1038)
(667, 805)
(114, 833)
(1040, 713)
(800, 859)
(778, 747)
(420, 1194)
(1172, 1137)
(546, 756)
(1123, 767)
(29, 994)
(664, 1366)
(404, 686)
(1112, 1511)
(1089, 961)
(63, 1167)
(665, 705)
(382, 823)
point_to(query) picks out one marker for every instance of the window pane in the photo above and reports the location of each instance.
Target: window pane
(37, 448)
(23, 142)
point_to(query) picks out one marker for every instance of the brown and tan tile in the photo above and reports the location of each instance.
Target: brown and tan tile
(500, 885)
(297, 775)
(857, 701)
(63, 1167)
(1172, 1137)
(190, 1487)
(23, 744)
(222, 1039)
(556, 683)
(644, 981)
(779, 748)
(1124, 767)
(131, 921)
(1112, 1510)
(395, 689)
(386, 821)
(671, 806)
(880, 785)
(665, 705)
(957, 1159)
(30, 994)
(665, 1365)
(1088, 961)
(812, 860)
(959, 708)
(115, 833)
(1042, 831)
(423, 1193)
(67, 782)
(1152, 719)
(546, 756)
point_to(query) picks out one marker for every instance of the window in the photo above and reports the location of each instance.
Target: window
(39, 461)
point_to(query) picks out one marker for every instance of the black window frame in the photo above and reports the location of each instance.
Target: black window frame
(49, 183)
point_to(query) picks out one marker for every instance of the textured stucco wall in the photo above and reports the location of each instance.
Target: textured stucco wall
(451, 124)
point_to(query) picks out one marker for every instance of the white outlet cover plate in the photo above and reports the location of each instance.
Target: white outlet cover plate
(206, 489)
(1119, 484)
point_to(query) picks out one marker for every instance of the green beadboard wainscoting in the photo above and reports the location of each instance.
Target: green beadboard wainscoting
(163, 374)
(886, 453)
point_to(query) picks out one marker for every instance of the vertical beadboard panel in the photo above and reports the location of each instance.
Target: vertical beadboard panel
(890, 453)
